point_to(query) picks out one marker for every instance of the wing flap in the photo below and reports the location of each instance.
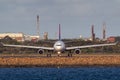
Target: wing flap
(88, 46)
(33, 47)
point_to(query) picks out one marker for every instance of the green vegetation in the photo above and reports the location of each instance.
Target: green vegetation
(69, 42)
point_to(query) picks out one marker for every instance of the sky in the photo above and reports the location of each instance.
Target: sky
(75, 16)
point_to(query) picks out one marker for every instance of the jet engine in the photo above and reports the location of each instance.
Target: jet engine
(40, 51)
(77, 51)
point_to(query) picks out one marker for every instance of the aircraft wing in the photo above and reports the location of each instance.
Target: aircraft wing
(24, 46)
(88, 46)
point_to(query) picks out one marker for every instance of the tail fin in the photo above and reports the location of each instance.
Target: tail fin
(59, 32)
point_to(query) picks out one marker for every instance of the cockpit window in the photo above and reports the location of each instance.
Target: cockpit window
(58, 45)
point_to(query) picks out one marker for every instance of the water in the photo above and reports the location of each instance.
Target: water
(79, 73)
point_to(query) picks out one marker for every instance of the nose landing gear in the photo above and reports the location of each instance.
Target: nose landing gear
(59, 54)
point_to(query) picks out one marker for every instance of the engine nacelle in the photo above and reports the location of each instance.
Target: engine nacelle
(77, 51)
(40, 51)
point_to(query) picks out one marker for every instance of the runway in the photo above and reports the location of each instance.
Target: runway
(54, 55)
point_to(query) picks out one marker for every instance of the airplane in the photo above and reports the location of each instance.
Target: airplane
(59, 47)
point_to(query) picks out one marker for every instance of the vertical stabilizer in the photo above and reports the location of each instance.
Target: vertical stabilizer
(59, 32)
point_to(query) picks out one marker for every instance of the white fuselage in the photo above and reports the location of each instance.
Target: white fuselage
(59, 47)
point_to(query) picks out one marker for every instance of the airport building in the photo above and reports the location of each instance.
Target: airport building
(32, 38)
(20, 37)
(17, 36)
(113, 39)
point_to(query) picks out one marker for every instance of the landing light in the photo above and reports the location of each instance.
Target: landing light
(59, 52)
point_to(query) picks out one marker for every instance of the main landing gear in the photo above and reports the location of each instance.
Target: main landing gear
(48, 55)
(69, 54)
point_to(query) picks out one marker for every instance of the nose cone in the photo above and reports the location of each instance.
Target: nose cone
(59, 46)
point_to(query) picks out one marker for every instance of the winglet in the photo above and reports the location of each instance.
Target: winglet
(59, 32)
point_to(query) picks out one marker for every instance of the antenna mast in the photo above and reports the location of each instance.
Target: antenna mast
(38, 26)
(104, 30)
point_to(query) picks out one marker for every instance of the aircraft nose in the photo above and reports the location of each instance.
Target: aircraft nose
(59, 47)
